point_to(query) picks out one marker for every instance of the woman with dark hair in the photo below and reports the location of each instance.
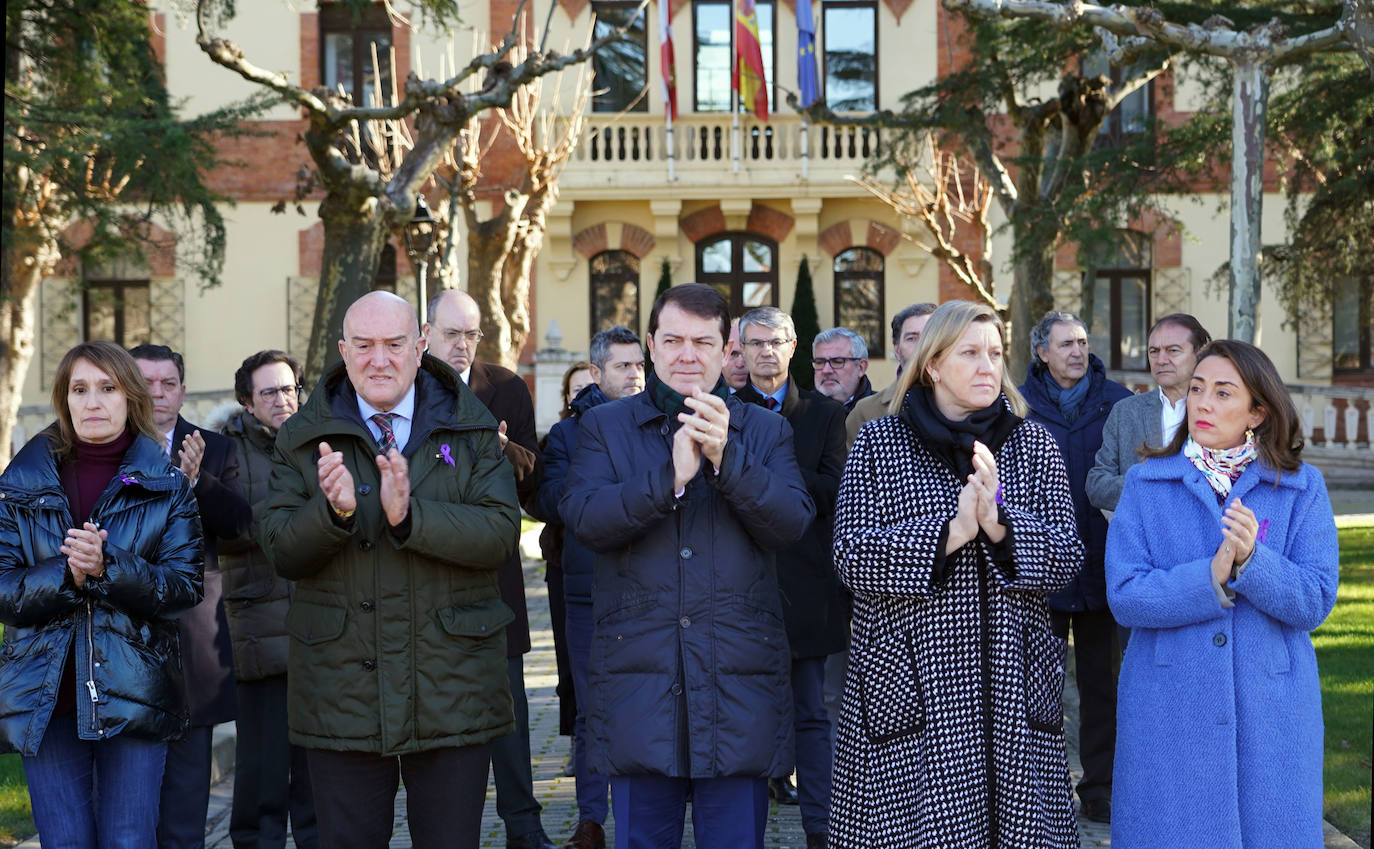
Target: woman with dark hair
(100, 546)
(1221, 557)
(954, 524)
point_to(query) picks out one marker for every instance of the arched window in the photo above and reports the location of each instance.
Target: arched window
(1117, 304)
(859, 294)
(743, 267)
(614, 290)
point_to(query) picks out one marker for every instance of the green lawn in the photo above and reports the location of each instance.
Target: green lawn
(15, 822)
(1345, 657)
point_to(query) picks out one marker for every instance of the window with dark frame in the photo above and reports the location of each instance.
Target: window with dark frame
(713, 31)
(849, 35)
(614, 290)
(860, 293)
(1131, 117)
(117, 310)
(743, 267)
(620, 70)
(1122, 293)
(348, 38)
(1352, 327)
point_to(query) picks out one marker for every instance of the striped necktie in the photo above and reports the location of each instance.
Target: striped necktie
(388, 439)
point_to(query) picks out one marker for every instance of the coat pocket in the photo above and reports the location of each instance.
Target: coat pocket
(476, 621)
(312, 624)
(1044, 664)
(890, 687)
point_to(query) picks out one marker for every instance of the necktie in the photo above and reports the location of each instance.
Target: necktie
(770, 402)
(388, 439)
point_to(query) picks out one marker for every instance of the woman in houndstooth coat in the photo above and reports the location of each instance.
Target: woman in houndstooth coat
(954, 524)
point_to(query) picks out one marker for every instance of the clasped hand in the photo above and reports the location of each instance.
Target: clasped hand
(85, 552)
(336, 482)
(977, 508)
(703, 434)
(1239, 527)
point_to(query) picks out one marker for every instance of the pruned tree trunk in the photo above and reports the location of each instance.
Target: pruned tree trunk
(1249, 104)
(354, 235)
(1031, 297)
(489, 244)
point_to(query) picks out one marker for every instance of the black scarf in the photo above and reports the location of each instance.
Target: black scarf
(953, 441)
(671, 402)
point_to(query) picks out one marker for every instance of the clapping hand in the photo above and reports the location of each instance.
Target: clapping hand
(395, 486)
(977, 508)
(708, 426)
(192, 452)
(336, 482)
(1239, 527)
(85, 552)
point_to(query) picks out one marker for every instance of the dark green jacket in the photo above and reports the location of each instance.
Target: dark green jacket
(397, 641)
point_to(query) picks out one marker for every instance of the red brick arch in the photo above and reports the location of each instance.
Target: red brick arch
(592, 240)
(763, 219)
(844, 235)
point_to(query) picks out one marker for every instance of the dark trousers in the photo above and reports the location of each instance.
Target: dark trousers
(185, 791)
(271, 779)
(592, 803)
(1097, 661)
(812, 723)
(727, 813)
(510, 762)
(355, 796)
(558, 618)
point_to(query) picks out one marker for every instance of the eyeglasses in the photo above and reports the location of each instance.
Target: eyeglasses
(271, 392)
(472, 336)
(836, 363)
(770, 344)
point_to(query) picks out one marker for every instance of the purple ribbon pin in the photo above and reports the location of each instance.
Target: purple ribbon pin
(447, 454)
(997, 497)
(128, 479)
(1263, 532)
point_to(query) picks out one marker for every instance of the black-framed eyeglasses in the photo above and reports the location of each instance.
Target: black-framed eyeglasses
(836, 363)
(269, 393)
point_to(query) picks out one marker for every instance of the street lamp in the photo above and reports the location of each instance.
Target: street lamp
(420, 245)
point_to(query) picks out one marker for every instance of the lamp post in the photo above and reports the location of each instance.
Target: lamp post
(420, 244)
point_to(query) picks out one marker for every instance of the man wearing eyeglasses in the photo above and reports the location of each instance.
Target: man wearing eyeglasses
(454, 330)
(271, 780)
(840, 358)
(814, 604)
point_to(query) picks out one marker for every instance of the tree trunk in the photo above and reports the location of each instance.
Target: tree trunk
(517, 276)
(1031, 297)
(24, 269)
(1249, 105)
(354, 235)
(490, 242)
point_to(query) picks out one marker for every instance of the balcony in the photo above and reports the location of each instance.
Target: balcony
(629, 154)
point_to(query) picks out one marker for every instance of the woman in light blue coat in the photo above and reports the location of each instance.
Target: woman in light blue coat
(1221, 557)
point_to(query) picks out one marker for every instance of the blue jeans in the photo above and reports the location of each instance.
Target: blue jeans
(591, 788)
(94, 793)
(727, 813)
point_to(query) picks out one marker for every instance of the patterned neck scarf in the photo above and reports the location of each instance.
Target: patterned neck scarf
(1221, 468)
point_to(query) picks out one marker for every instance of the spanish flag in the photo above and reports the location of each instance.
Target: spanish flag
(747, 77)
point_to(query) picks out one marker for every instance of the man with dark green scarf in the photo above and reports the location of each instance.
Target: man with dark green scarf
(685, 494)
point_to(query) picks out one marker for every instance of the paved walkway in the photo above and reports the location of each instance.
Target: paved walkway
(555, 791)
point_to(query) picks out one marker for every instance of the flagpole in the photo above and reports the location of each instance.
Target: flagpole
(667, 57)
(734, 89)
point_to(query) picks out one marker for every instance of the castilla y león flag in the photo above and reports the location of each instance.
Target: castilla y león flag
(747, 77)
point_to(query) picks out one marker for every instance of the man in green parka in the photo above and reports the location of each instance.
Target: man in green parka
(392, 508)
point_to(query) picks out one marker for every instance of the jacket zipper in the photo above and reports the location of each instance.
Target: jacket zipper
(90, 667)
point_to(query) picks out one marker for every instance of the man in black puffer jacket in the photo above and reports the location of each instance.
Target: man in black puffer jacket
(270, 775)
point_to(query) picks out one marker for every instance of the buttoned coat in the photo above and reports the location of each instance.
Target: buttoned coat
(397, 640)
(207, 653)
(1133, 422)
(814, 604)
(119, 627)
(1079, 441)
(689, 665)
(507, 398)
(1219, 722)
(951, 730)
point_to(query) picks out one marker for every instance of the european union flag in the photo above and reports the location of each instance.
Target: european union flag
(806, 54)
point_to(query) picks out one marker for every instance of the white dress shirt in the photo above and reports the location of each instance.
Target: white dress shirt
(404, 416)
(1171, 415)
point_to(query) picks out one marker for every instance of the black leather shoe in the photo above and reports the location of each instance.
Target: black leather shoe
(536, 839)
(782, 791)
(1097, 810)
(818, 841)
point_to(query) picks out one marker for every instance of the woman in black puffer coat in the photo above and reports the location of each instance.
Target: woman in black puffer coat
(100, 545)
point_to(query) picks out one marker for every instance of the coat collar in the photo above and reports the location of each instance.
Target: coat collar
(643, 411)
(1180, 468)
(790, 399)
(33, 471)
